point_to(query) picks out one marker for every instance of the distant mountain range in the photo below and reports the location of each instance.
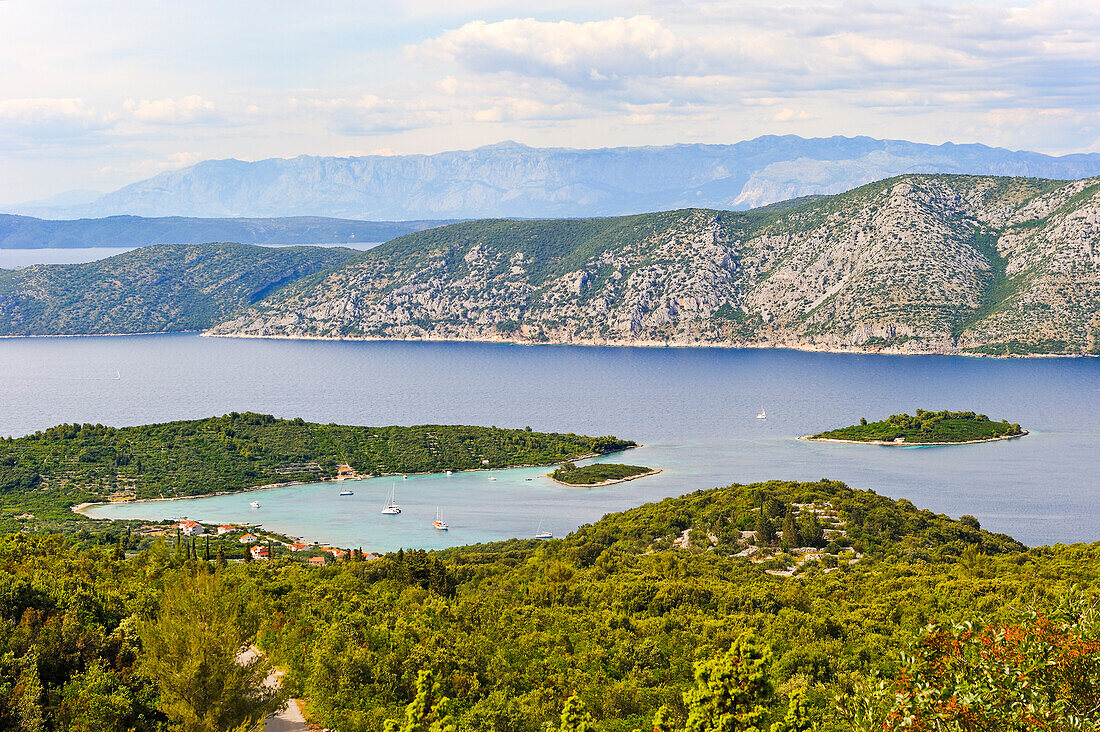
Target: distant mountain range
(913, 264)
(25, 232)
(513, 180)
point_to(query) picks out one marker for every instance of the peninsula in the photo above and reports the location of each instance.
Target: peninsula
(48, 472)
(599, 474)
(924, 428)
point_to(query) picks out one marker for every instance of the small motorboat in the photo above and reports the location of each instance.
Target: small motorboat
(254, 504)
(346, 492)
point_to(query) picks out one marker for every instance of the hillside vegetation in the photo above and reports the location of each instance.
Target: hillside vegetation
(925, 427)
(616, 621)
(69, 464)
(153, 290)
(916, 264)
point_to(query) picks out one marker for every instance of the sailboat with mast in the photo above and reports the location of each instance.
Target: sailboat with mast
(763, 414)
(542, 533)
(439, 523)
(391, 508)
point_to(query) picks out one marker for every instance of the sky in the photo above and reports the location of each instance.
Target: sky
(95, 95)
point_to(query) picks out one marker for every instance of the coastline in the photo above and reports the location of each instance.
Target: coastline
(651, 471)
(584, 342)
(891, 443)
(80, 508)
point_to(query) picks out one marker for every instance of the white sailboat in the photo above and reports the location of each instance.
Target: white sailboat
(439, 523)
(542, 533)
(763, 414)
(118, 375)
(391, 508)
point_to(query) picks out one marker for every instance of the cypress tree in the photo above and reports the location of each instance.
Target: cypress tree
(765, 530)
(790, 530)
(206, 550)
(221, 555)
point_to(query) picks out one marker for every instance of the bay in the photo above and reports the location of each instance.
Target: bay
(693, 410)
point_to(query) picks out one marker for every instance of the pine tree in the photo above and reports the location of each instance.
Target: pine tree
(190, 647)
(221, 555)
(119, 554)
(575, 718)
(424, 713)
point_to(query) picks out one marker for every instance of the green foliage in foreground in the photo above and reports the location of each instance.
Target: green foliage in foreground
(48, 471)
(610, 617)
(925, 427)
(596, 473)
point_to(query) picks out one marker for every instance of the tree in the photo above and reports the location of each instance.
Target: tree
(812, 532)
(765, 529)
(206, 550)
(1041, 673)
(790, 530)
(575, 718)
(27, 695)
(732, 694)
(193, 649)
(424, 713)
(96, 701)
(221, 556)
(118, 554)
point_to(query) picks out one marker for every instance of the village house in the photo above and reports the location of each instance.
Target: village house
(226, 529)
(248, 539)
(259, 552)
(191, 528)
(298, 547)
(317, 561)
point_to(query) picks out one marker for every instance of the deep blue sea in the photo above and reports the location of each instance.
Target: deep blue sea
(693, 409)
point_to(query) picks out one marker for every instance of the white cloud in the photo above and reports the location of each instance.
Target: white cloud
(592, 53)
(46, 119)
(192, 109)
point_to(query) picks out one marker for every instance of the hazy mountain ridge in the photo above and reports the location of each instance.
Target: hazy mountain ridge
(25, 232)
(513, 180)
(919, 263)
(162, 288)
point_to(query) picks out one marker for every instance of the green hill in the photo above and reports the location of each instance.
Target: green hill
(157, 289)
(619, 614)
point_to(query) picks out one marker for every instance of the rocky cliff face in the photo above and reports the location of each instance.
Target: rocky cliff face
(921, 263)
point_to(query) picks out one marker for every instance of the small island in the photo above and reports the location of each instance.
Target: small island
(599, 474)
(924, 428)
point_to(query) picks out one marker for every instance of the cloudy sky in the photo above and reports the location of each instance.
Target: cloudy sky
(94, 95)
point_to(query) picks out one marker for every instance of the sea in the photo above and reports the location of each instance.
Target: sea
(693, 410)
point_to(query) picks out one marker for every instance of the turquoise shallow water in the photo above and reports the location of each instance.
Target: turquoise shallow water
(694, 410)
